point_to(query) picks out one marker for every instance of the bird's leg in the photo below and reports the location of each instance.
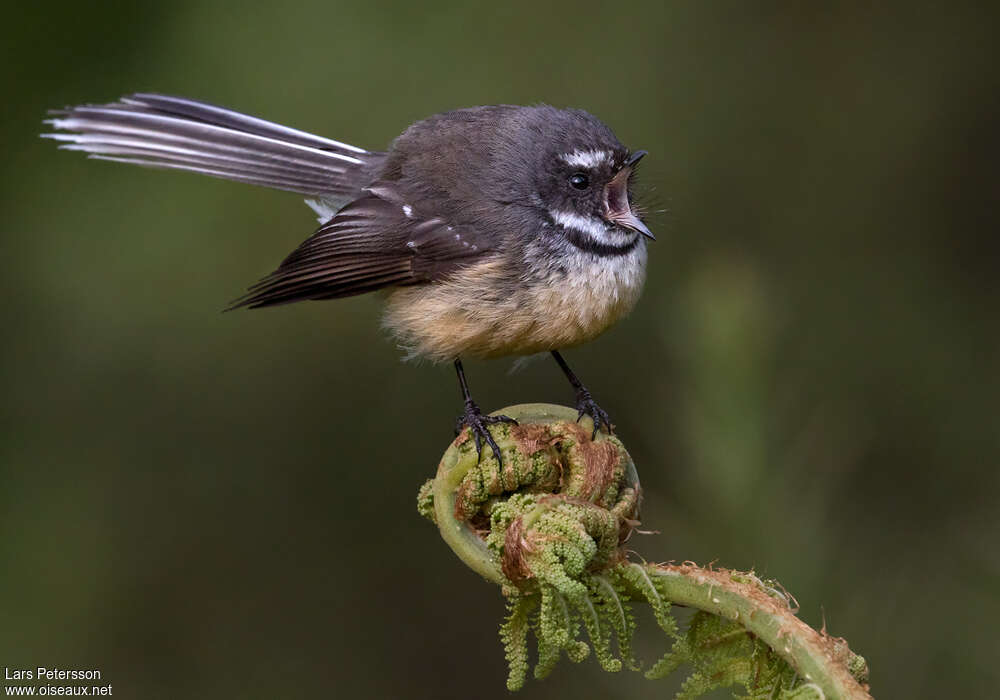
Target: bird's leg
(475, 420)
(585, 403)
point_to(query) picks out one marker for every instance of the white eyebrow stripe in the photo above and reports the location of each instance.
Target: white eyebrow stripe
(586, 159)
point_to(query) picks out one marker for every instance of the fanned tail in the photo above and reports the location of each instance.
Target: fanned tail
(161, 131)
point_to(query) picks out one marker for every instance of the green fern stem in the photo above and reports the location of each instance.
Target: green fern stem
(821, 660)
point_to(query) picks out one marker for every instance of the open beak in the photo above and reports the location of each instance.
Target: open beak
(617, 210)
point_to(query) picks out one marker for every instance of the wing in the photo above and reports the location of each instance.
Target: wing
(376, 241)
(161, 131)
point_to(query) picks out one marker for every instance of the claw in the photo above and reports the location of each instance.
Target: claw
(478, 424)
(586, 406)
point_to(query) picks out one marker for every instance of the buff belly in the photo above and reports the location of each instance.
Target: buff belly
(479, 311)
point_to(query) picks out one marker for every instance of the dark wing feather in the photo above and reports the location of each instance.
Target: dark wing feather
(375, 241)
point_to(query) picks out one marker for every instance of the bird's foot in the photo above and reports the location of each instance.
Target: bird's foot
(586, 405)
(478, 424)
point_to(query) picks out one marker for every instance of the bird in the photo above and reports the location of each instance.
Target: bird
(495, 230)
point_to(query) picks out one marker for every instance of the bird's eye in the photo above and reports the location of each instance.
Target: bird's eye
(579, 180)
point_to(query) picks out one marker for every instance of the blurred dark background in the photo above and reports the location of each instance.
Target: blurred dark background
(208, 505)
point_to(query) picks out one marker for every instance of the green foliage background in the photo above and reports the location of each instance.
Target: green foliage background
(207, 505)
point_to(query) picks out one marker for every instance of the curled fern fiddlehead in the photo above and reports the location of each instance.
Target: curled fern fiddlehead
(549, 528)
